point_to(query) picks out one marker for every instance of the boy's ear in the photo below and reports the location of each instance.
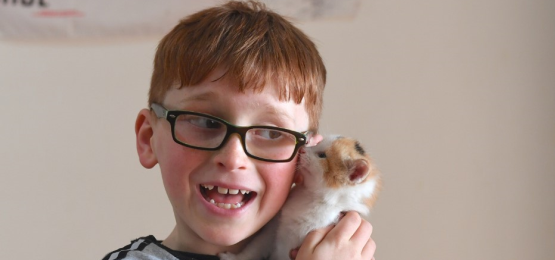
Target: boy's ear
(144, 133)
(314, 140)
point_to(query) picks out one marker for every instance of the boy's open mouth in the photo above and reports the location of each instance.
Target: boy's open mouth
(226, 198)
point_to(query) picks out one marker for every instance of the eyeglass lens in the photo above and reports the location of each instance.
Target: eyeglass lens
(204, 132)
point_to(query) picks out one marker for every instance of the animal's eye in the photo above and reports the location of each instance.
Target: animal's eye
(322, 155)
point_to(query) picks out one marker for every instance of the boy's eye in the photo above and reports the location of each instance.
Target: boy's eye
(268, 133)
(322, 155)
(204, 122)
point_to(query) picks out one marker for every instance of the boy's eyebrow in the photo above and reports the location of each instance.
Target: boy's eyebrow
(273, 111)
(210, 95)
(269, 109)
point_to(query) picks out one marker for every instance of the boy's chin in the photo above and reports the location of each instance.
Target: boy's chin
(230, 243)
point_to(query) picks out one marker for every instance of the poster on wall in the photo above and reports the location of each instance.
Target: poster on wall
(47, 19)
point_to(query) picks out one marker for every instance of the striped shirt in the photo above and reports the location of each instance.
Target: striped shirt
(148, 248)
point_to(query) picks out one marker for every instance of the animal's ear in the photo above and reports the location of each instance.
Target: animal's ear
(358, 171)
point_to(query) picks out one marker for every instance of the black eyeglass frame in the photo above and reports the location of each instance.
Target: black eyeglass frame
(171, 115)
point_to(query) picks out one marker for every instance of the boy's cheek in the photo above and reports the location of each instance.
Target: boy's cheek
(284, 176)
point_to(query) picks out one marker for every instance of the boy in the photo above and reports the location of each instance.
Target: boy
(216, 72)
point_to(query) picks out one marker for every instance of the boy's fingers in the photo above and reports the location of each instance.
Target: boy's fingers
(346, 227)
(314, 238)
(351, 229)
(369, 249)
(363, 233)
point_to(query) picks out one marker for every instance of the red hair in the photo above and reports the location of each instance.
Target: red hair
(254, 44)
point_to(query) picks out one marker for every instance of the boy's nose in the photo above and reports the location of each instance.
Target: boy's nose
(232, 156)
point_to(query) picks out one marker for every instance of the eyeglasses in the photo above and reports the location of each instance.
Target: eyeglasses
(206, 132)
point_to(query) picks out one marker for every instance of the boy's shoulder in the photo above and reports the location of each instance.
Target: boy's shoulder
(149, 248)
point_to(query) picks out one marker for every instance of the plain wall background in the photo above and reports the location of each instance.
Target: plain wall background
(455, 100)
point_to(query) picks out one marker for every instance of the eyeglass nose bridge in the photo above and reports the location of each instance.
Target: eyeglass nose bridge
(241, 131)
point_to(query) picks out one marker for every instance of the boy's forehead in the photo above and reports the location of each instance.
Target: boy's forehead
(219, 81)
(220, 94)
(227, 100)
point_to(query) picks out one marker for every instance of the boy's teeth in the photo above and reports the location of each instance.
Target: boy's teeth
(227, 205)
(225, 191)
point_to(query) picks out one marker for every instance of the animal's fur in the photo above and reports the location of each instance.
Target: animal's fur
(338, 176)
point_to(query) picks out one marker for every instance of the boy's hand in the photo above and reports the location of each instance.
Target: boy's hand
(349, 239)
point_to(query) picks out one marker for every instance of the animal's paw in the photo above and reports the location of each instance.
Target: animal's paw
(227, 256)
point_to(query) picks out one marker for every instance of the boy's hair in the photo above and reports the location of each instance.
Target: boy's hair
(255, 45)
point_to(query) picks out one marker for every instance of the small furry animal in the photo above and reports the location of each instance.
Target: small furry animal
(338, 176)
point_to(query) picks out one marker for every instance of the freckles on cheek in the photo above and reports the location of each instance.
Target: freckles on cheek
(281, 178)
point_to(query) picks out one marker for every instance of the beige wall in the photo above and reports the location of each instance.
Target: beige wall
(455, 100)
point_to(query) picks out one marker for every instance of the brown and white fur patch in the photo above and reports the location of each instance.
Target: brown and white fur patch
(338, 176)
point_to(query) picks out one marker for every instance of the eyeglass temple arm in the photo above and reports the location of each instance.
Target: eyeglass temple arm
(160, 111)
(308, 136)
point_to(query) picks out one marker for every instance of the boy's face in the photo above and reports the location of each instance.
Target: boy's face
(202, 226)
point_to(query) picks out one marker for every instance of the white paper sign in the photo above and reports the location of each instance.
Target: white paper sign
(108, 18)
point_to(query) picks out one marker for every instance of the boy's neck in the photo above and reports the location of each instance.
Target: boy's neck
(181, 241)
